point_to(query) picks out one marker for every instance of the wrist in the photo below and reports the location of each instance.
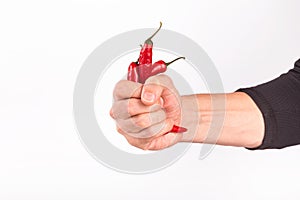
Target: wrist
(190, 118)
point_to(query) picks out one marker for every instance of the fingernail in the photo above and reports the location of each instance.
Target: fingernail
(161, 101)
(148, 96)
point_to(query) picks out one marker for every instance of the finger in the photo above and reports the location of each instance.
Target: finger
(139, 122)
(141, 143)
(125, 109)
(157, 142)
(127, 89)
(155, 130)
(164, 141)
(156, 87)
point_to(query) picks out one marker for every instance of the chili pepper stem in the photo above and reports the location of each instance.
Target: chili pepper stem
(174, 60)
(148, 41)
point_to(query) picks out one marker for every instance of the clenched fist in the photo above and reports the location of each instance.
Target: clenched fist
(145, 113)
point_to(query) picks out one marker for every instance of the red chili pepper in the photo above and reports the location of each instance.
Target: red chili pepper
(146, 51)
(161, 66)
(142, 69)
(133, 74)
(177, 129)
(145, 58)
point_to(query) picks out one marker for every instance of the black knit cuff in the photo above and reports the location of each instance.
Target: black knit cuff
(268, 116)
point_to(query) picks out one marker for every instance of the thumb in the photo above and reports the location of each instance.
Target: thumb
(151, 94)
(154, 88)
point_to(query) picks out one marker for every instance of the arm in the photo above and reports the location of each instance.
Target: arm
(240, 121)
(262, 117)
(144, 113)
(279, 102)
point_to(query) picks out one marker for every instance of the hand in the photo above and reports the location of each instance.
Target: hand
(145, 113)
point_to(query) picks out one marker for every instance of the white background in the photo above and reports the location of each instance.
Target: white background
(42, 47)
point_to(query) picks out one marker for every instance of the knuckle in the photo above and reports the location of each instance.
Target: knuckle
(166, 81)
(130, 111)
(124, 128)
(114, 111)
(142, 121)
(119, 130)
(122, 110)
(153, 80)
(131, 107)
(119, 87)
(111, 113)
(120, 84)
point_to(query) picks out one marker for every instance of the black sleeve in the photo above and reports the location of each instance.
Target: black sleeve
(279, 102)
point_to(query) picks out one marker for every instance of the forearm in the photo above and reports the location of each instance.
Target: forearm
(225, 119)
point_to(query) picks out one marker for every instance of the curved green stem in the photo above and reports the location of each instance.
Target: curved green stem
(174, 60)
(149, 39)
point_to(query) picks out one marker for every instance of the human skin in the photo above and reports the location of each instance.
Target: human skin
(144, 113)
